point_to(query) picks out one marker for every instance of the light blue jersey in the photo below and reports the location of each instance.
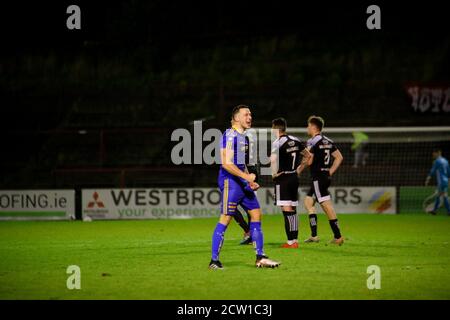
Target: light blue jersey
(441, 171)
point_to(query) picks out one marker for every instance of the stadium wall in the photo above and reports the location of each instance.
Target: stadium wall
(37, 204)
(184, 203)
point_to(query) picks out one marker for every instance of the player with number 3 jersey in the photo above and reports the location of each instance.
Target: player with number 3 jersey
(324, 161)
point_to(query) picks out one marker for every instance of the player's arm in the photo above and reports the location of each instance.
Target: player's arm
(274, 165)
(432, 173)
(226, 156)
(448, 170)
(274, 160)
(305, 161)
(338, 158)
(311, 156)
(253, 185)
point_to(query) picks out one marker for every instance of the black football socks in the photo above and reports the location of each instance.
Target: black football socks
(335, 227)
(291, 224)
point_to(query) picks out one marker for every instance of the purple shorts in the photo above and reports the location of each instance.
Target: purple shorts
(234, 194)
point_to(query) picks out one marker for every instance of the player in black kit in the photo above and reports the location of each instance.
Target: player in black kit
(286, 156)
(324, 161)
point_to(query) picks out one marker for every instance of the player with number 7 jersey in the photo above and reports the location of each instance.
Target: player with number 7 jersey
(286, 155)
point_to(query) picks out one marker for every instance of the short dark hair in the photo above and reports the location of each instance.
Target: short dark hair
(317, 121)
(237, 109)
(280, 124)
(437, 150)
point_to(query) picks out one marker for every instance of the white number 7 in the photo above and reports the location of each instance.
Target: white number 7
(294, 154)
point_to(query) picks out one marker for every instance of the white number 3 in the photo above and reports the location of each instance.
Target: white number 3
(327, 157)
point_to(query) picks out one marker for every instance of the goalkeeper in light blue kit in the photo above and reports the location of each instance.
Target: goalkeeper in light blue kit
(237, 187)
(441, 171)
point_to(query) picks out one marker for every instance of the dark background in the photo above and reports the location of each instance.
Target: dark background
(96, 106)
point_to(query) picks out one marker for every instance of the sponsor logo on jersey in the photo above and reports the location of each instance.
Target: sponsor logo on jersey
(292, 149)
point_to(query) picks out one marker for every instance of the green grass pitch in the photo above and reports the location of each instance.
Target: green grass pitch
(168, 259)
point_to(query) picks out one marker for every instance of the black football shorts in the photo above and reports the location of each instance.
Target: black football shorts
(286, 190)
(319, 188)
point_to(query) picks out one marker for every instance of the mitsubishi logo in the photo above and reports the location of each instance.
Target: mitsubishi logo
(96, 201)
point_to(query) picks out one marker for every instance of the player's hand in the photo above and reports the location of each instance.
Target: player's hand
(251, 177)
(276, 175)
(254, 186)
(331, 173)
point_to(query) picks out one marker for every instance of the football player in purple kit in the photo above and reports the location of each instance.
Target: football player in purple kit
(237, 187)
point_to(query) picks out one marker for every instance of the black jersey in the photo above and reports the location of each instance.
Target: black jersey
(289, 150)
(322, 148)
